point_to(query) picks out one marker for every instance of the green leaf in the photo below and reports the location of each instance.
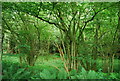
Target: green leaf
(19, 71)
(62, 74)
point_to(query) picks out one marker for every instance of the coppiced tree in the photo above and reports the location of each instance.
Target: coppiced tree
(72, 19)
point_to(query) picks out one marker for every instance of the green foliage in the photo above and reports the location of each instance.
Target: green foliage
(62, 74)
(14, 71)
(92, 75)
(85, 29)
(118, 75)
(55, 74)
(25, 49)
(48, 74)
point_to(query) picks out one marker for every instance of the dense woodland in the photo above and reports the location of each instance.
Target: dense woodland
(60, 40)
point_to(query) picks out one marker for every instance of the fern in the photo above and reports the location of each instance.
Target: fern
(46, 74)
(62, 74)
(13, 71)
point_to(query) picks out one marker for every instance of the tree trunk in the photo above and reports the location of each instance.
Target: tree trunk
(1, 50)
(118, 22)
(95, 47)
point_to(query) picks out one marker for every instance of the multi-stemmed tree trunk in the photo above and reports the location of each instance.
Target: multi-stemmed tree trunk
(117, 48)
(73, 38)
(69, 53)
(1, 42)
(70, 23)
(118, 28)
(96, 44)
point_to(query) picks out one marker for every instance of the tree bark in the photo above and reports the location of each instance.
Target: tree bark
(119, 22)
(95, 47)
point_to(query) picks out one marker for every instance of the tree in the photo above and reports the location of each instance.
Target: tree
(72, 23)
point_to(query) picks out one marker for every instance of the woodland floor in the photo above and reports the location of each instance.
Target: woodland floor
(50, 61)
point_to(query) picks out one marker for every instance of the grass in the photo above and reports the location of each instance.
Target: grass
(10, 58)
(44, 64)
(50, 61)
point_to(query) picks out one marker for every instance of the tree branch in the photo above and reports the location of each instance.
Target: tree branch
(9, 27)
(93, 18)
(36, 16)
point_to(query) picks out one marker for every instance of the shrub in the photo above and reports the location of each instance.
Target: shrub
(14, 71)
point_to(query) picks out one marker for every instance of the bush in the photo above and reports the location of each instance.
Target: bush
(56, 74)
(14, 71)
